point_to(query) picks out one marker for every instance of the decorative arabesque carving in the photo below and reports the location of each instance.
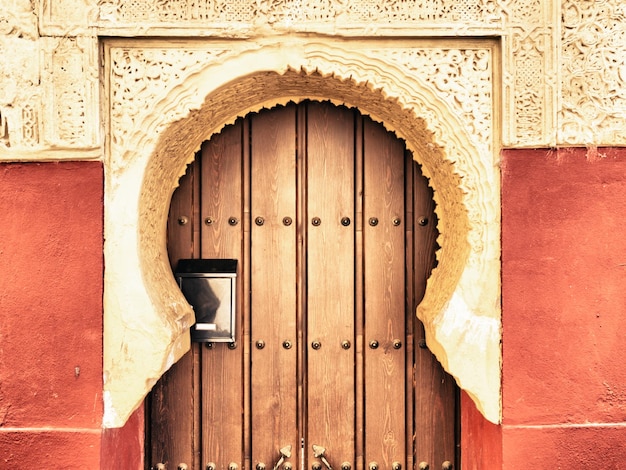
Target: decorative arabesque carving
(19, 93)
(141, 76)
(572, 98)
(70, 78)
(463, 78)
(593, 66)
(19, 20)
(529, 76)
(300, 12)
(19, 76)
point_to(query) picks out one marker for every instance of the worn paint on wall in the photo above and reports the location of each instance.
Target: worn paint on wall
(564, 272)
(51, 314)
(50, 449)
(123, 448)
(481, 440)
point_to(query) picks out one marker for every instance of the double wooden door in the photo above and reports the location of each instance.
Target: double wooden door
(334, 230)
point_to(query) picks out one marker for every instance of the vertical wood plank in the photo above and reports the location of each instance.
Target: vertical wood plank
(273, 284)
(410, 310)
(245, 284)
(222, 374)
(359, 311)
(173, 419)
(435, 389)
(326, 283)
(301, 283)
(383, 191)
(330, 279)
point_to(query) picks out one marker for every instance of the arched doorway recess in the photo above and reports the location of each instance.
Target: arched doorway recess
(334, 229)
(146, 317)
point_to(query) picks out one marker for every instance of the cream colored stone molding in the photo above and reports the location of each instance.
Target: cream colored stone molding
(562, 62)
(528, 30)
(530, 75)
(168, 97)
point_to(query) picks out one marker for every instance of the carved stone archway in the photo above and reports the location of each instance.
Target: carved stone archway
(166, 99)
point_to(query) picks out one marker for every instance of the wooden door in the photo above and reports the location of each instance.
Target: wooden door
(334, 229)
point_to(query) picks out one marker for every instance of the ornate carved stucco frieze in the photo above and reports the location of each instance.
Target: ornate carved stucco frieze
(593, 73)
(308, 14)
(562, 62)
(527, 29)
(20, 96)
(49, 98)
(70, 78)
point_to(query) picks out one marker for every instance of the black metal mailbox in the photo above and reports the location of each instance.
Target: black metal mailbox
(210, 287)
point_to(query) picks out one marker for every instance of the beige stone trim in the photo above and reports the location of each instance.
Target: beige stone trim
(200, 88)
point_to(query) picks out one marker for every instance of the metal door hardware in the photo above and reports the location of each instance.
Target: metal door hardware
(373, 344)
(259, 221)
(397, 344)
(209, 221)
(423, 221)
(396, 466)
(182, 466)
(233, 221)
(373, 466)
(318, 453)
(396, 221)
(316, 345)
(373, 221)
(345, 221)
(182, 220)
(287, 344)
(233, 466)
(345, 344)
(260, 344)
(285, 453)
(260, 466)
(210, 466)
(316, 466)
(424, 466)
(447, 465)
(316, 221)
(346, 466)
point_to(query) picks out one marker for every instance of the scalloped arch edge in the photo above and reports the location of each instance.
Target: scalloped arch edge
(146, 318)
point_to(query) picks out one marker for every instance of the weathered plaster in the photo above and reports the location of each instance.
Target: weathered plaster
(204, 88)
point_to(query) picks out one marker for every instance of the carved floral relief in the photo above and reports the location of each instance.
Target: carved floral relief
(593, 73)
(572, 98)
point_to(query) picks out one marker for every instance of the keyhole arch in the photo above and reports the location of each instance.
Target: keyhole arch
(462, 322)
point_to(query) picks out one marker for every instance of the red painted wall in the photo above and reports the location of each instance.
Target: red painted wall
(481, 440)
(564, 308)
(563, 298)
(123, 448)
(51, 315)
